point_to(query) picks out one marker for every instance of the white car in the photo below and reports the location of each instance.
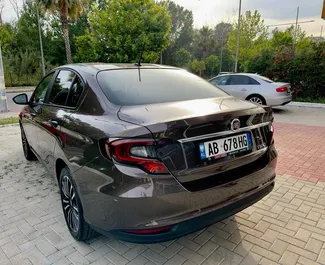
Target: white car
(255, 88)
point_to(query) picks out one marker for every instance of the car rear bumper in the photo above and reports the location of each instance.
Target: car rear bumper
(113, 206)
(194, 224)
(278, 101)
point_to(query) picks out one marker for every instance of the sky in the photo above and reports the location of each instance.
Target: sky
(211, 12)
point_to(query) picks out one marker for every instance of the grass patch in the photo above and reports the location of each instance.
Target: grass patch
(9, 120)
(310, 100)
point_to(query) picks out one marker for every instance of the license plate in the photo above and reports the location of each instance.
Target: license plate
(226, 146)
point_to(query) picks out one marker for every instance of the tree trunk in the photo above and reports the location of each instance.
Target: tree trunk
(65, 27)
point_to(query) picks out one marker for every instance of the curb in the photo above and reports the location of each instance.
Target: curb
(306, 105)
(19, 90)
(9, 125)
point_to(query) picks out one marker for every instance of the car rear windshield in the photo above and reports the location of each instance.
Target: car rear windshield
(266, 79)
(148, 86)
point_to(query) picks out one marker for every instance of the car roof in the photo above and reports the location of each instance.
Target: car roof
(93, 68)
(245, 74)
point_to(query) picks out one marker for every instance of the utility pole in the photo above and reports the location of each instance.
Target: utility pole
(3, 97)
(40, 41)
(295, 34)
(221, 52)
(238, 37)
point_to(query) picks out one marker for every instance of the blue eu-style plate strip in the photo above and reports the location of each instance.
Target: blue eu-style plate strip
(202, 151)
(249, 139)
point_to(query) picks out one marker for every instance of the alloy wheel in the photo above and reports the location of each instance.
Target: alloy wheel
(256, 100)
(69, 202)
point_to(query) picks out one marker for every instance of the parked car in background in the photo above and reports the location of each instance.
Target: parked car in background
(255, 88)
(146, 153)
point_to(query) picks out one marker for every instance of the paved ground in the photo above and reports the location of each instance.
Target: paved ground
(286, 227)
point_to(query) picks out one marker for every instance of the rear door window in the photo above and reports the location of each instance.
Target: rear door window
(61, 87)
(239, 80)
(75, 92)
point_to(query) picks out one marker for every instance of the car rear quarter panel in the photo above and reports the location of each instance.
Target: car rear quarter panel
(85, 127)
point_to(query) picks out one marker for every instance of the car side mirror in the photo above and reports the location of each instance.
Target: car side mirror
(21, 99)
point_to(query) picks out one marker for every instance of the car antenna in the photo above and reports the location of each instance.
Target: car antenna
(140, 59)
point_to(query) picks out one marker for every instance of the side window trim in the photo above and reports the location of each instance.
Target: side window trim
(48, 90)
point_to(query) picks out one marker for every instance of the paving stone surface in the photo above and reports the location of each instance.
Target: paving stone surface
(301, 151)
(286, 227)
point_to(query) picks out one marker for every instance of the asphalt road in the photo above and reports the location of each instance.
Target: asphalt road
(286, 114)
(300, 115)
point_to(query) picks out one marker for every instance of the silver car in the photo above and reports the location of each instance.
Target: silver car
(255, 88)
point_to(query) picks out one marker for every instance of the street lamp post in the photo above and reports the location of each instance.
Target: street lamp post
(40, 41)
(238, 37)
(295, 33)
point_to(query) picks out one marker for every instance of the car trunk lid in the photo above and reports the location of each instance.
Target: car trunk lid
(184, 126)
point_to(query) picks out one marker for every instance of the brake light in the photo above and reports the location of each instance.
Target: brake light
(282, 89)
(140, 153)
(149, 231)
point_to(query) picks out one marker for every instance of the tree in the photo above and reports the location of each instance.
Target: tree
(281, 39)
(198, 66)
(85, 49)
(212, 63)
(204, 42)
(182, 57)
(124, 27)
(67, 10)
(253, 38)
(15, 6)
(181, 35)
(222, 31)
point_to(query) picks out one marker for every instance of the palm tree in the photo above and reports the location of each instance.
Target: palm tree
(67, 9)
(207, 40)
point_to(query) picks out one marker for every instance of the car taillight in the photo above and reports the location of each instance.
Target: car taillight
(140, 153)
(282, 89)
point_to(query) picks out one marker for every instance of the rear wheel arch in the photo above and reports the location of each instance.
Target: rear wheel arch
(59, 165)
(256, 95)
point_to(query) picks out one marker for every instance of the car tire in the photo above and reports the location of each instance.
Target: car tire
(72, 208)
(257, 99)
(28, 153)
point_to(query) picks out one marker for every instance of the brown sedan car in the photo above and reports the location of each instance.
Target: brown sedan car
(146, 153)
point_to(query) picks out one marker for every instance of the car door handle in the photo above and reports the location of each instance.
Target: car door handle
(53, 123)
(244, 90)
